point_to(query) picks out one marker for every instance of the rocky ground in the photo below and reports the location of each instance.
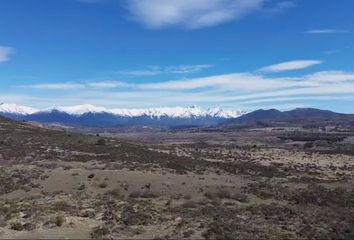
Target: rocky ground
(262, 183)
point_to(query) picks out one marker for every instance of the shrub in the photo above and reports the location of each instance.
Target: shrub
(223, 193)
(210, 195)
(102, 185)
(226, 194)
(187, 197)
(114, 193)
(29, 226)
(135, 194)
(130, 216)
(240, 197)
(101, 142)
(62, 206)
(59, 220)
(99, 232)
(189, 204)
(17, 226)
(308, 145)
(145, 194)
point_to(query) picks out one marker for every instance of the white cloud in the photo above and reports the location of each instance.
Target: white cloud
(289, 66)
(57, 86)
(5, 97)
(75, 86)
(158, 70)
(326, 31)
(285, 107)
(106, 84)
(149, 71)
(238, 88)
(280, 6)
(190, 13)
(5, 53)
(299, 98)
(331, 77)
(187, 69)
(237, 81)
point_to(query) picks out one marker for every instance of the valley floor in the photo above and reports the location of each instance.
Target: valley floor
(249, 184)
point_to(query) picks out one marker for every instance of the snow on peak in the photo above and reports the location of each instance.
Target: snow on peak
(82, 109)
(221, 113)
(172, 112)
(12, 108)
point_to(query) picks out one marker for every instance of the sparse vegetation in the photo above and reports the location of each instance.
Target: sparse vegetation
(143, 194)
(263, 184)
(226, 194)
(62, 206)
(116, 193)
(131, 216)
(99, 233)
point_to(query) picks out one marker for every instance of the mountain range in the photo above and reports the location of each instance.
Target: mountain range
(90, 115)
(94, 116)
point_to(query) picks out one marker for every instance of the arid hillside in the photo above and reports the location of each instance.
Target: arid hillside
(259, 183)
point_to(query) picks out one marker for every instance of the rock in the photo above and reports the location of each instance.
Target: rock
(178, 221)
(26, 214)
(49, 225)
(2, 221)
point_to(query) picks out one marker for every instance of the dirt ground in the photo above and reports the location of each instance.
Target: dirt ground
(262, 183)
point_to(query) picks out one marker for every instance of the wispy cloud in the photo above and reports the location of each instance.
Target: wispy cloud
(245, 84)
(5, 53)
(280, 7)
(300, 98)
(158, 70)
(326, 31)
(239, 89)
(242, 82)
(187, 69)
(106, 84)
(75, 86)
(195, 14)
(289, 66)
(331, 52)
(56, 86)
(331, 77)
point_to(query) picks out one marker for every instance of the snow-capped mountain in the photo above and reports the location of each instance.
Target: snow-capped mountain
(94, 115)
(12, 108)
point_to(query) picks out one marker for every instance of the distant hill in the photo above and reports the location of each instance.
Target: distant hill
(296, 115)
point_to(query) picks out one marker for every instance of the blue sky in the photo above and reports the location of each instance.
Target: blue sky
(246, 54)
